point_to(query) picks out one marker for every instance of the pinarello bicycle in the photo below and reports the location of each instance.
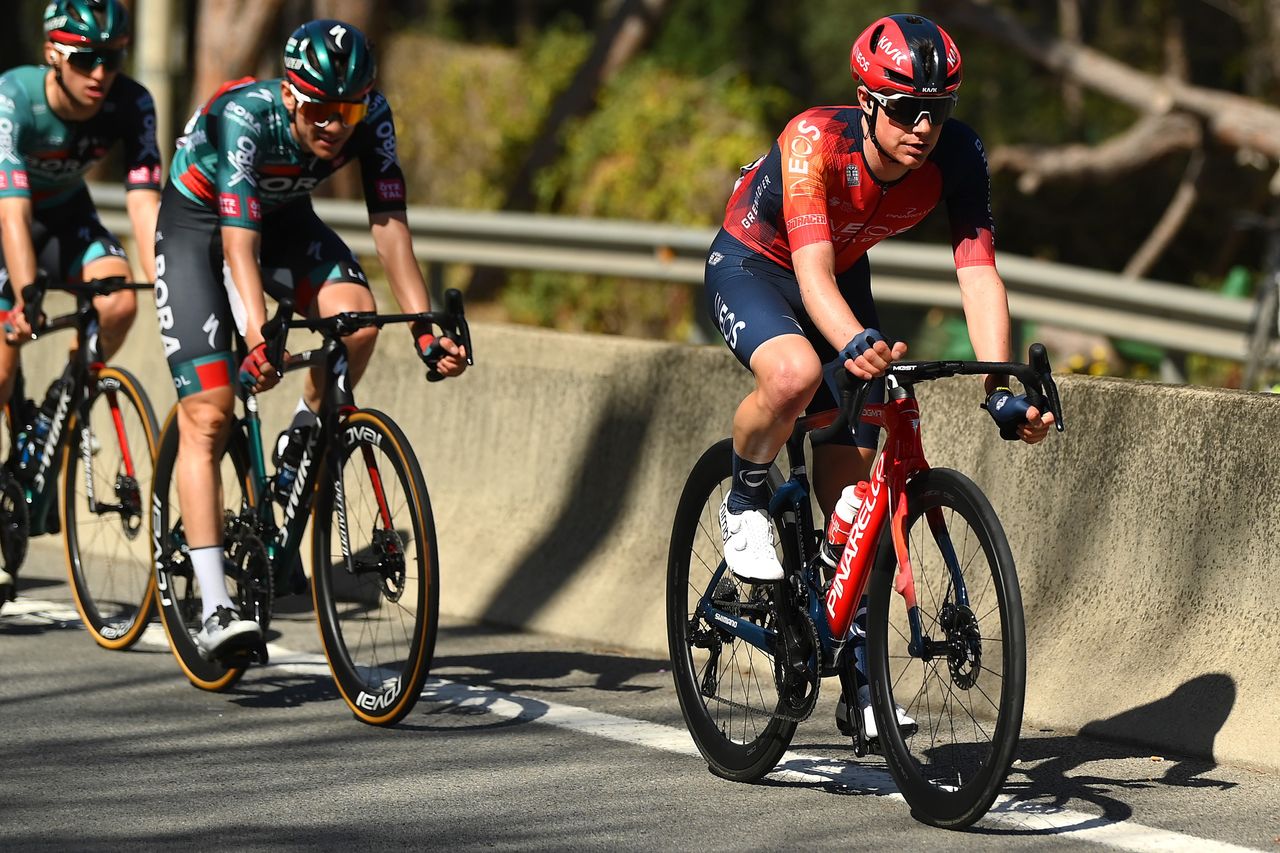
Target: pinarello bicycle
(949, 648)
(375, 571)
(96, 426)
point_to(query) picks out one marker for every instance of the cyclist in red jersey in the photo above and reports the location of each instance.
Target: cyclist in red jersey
(788, 282)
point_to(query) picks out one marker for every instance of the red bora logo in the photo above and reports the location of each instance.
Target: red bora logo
(392, 190)
(141, 175)
(4, 181)
(255, 210)
(229, 204)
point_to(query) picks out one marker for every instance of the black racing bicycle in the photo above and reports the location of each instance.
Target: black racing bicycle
(97, 428)
(375, 569)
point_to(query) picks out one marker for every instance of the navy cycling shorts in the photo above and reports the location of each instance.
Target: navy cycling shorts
(752, 299)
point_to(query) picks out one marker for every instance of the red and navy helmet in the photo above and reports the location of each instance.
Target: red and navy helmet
(906, 53)
(86, 22)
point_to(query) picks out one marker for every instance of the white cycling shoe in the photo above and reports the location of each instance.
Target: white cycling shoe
(748, 544)
(226, 631)
(906, 724)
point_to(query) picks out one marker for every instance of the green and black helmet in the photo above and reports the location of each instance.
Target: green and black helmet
(86, 22)
(329, 60)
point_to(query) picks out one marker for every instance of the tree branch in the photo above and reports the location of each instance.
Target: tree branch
(1148, 139)
(1171, 221)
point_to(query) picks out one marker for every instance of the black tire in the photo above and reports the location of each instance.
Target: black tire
(109, 556)
(378, 617)
(176, 588)
(967, 700)
(739, 743)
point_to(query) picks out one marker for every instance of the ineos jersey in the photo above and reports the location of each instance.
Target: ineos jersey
(238, 156)
(814, 186)
(44, 157)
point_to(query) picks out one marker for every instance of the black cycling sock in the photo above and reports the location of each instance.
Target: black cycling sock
(750, 485)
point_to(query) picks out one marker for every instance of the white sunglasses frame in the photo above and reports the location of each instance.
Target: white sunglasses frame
(882, 99)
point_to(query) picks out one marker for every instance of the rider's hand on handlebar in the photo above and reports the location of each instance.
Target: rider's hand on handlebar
(868, 355)
(442, 356)
(16, 328)
(1017, 418)
(256, 373)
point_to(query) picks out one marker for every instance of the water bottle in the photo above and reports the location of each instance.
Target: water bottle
(841, 525)
(287, 456)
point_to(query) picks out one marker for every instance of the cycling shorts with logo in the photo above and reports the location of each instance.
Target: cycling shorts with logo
(752, 299)
(67, 238)
(196, 301)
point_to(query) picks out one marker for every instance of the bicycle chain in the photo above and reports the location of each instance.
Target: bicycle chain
(791, 718)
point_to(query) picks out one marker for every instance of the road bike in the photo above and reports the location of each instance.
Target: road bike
(97, 428)
(949, 648)
(375, 570)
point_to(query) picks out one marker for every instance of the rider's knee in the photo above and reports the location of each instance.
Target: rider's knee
(361, 340)
(204, 417)
(117, 312)
(789, 383)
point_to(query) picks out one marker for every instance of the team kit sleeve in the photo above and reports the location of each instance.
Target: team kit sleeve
(141, 150)
(239, 143)
(969, 203)
(14, 117)
(803, 146)
(384, 187)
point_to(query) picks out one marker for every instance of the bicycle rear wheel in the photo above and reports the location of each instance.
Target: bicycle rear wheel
(728, 688)
(106, 469)
(376, 583)
(964, 686)
(177, 589)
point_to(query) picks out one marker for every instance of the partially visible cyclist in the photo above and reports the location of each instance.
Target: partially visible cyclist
(236, 222)
(56, 121)
(788, 280)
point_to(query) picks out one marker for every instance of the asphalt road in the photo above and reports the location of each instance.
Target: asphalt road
(519, 742)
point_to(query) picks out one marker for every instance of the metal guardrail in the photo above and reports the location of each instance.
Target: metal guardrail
(1171, 316)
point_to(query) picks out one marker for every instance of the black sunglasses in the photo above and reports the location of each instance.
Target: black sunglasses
(907, 110)
(90, 58)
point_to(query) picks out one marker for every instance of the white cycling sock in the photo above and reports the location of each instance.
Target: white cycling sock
(207, 565)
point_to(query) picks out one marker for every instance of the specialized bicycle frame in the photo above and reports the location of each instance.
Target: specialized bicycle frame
(74, 385)
(832, 609)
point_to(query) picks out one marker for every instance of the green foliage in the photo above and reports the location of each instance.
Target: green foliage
(464, 113)
(660, 147)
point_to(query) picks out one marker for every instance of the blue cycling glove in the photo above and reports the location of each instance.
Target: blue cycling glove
(861, 343)
(1008, 410)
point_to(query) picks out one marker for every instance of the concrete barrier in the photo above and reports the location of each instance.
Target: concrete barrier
(1145, 536)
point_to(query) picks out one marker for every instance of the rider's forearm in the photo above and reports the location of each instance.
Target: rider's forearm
(814, 267)
(143, 206)
(19, 251)
(394, 244)
(240, 248)
(986, 311)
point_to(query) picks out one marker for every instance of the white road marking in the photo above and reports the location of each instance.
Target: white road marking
(1028, 815)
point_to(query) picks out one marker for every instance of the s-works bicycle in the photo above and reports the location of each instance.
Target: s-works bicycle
(949, 648)
(375, 571)
(96, 427)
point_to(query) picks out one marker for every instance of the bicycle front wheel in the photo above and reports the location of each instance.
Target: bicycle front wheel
(963, 678)
(106, 471)
(177, 588)
(376, 583)
(728, 688)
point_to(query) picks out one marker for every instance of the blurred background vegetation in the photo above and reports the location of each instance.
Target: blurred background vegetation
(645, 109)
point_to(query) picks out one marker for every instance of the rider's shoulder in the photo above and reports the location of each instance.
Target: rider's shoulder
(129, 92)
(17, 83)
(821, 118)
(379, 106)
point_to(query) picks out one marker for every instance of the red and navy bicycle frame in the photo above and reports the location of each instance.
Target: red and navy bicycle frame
(832, 606)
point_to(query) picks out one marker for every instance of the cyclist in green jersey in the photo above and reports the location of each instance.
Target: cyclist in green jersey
(236, 222)
(56, 121)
